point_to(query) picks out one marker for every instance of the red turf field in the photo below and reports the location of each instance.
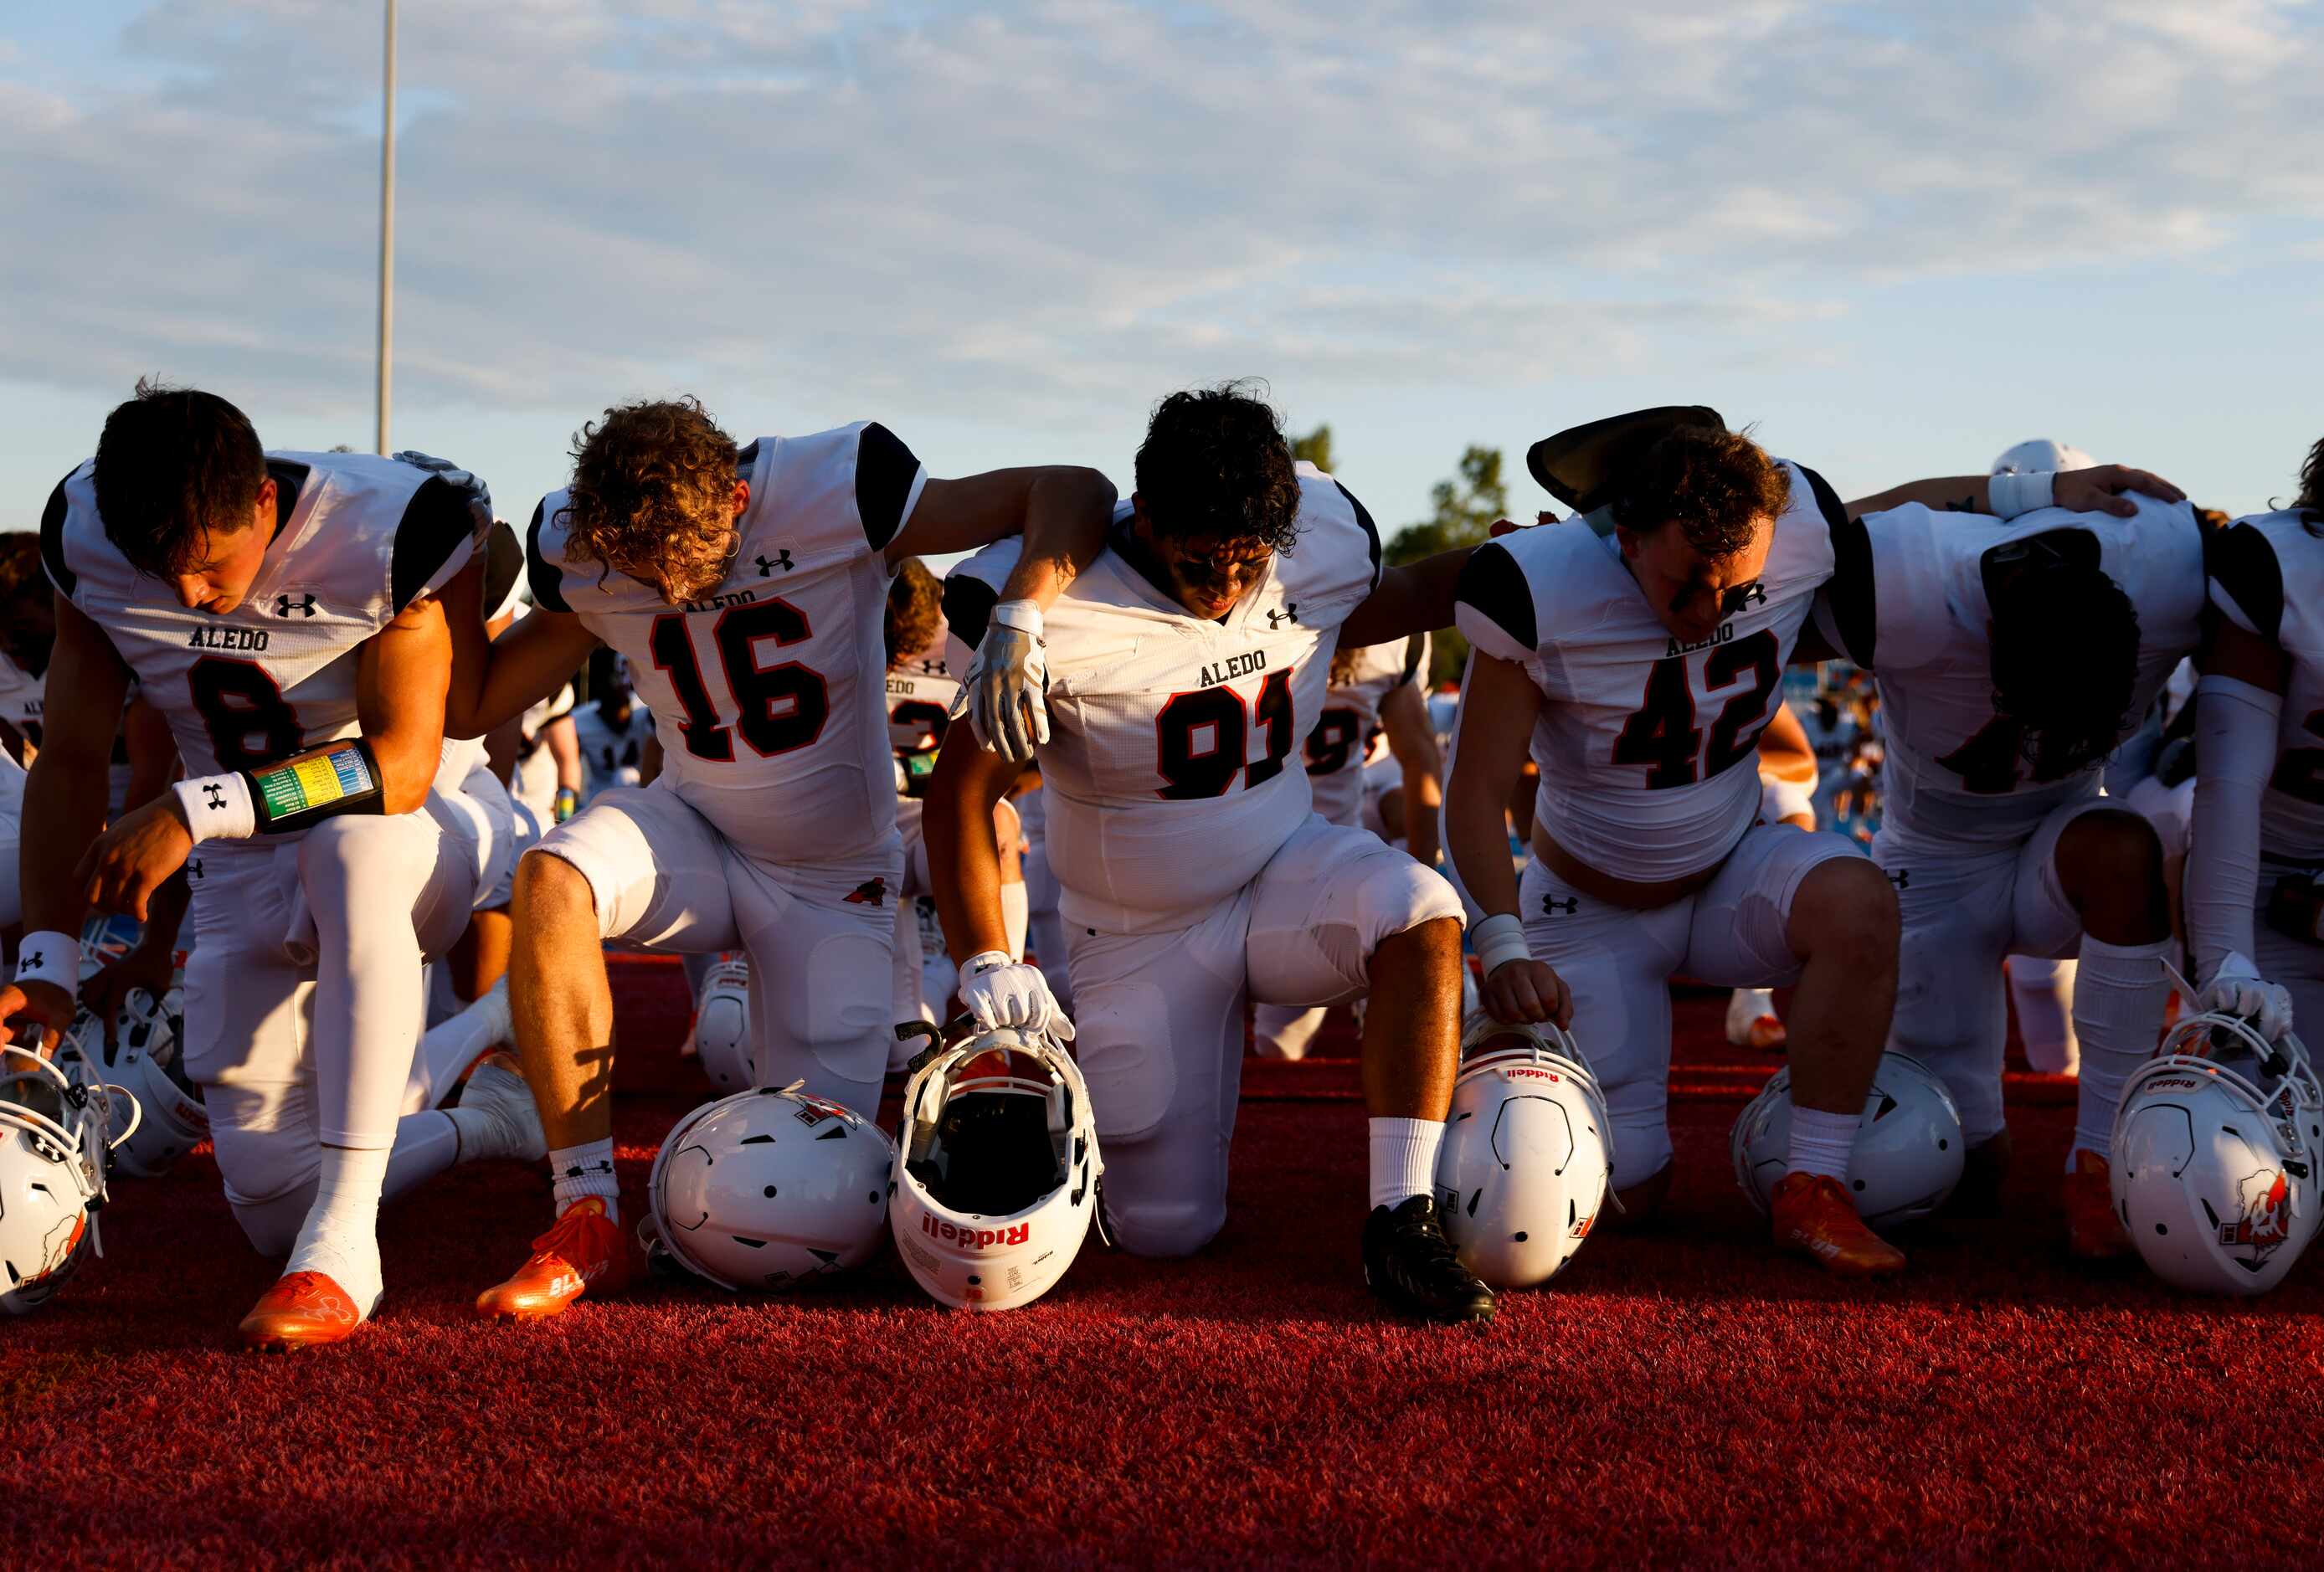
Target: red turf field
(1681, 1396)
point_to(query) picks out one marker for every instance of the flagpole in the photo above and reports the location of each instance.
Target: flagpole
(384, 390)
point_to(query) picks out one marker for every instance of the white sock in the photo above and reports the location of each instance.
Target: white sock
(1822, 1143)
(2119, 993)
(340, 1238)
(448, 1048)
(585, 1170)
(1404, 1159)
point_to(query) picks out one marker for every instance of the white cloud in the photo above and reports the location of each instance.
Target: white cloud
(1054, 202)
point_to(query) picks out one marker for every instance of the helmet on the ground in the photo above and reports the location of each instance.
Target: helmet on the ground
(1909, 1147)
(768, 1189)
(2216, 1145)
(52, 1160)
(721, 1024)
(997, 1178)
(1528, 1153)
(170, 1118)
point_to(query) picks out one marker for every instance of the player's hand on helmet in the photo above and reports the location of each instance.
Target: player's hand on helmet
(1527, 993)
(134, 857)
(1001, 992)
(106, 995)
(2238, 990)
(1004, 694)
(35, 1015)
(2101, 489)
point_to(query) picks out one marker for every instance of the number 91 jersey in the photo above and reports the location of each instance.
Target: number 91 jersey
(768, 692)
(358, 539)
(1640, 742)
(1172, 769)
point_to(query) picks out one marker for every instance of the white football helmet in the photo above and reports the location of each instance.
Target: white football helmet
(767, 1188)
(170, 1117)
(2214, 1164)
(1528, 1153)
(996, 1182)
(1909, 1147)
(721, 1024)
(52, 1160)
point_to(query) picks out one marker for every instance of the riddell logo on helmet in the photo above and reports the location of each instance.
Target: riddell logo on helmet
(1528, 1073)
(975, 1238)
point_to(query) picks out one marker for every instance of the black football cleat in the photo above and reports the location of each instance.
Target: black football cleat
(1409, 1263)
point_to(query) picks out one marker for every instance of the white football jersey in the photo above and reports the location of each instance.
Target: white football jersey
(358, 539)
(19, 699)
(1911, 608)
(1639, 745)
(2267, 577)
(612, 755)
(921, 689)
(766, 691)
(1347, 735)
(1172, 771)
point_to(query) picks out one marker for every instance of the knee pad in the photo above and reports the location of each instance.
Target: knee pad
(1164, 1228)
(1123, 1047)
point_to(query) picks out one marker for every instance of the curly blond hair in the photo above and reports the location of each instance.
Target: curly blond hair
(652, 496)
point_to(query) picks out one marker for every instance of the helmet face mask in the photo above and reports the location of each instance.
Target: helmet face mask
(142, 1057)
(996, 1182)
(1909, 1148)
(1527, 1160)
(2214, 1170)
(53, 1160)
(767, 1190)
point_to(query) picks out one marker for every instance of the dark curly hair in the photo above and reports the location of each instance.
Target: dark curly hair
(915, 609)
(2064, 664)
(20, 567)
(2310, 499)
(175, 465)
(1215, 466)
(1715, 485)
(652, 496)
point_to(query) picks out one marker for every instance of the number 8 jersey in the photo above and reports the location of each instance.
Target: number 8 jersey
(1639, 743)
(768, 693)
(1173, 770)
(357, 539)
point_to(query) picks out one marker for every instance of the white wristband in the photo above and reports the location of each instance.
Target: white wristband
(985, 960)
(48, 956)
(2008, 495)
(1499, 940)
(1019, 617)
(218, 808)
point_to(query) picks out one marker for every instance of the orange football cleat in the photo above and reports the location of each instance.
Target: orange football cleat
(303, 1309)
(584, 1250)
(1768, 1035)
(2093, 1231)
(1813, 1217)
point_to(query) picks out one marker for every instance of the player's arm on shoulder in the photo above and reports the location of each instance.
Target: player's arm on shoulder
(1062, 511)
(965, 851)
(64, 814)
(2103, 489)
(497, 681)
(1404, 717)
(1413, 597)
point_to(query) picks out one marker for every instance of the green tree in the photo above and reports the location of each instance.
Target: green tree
(1315, 447)
(1465, 508)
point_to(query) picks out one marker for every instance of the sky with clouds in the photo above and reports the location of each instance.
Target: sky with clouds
(1898, 238)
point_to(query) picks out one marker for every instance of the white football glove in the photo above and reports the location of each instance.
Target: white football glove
(2238, 988)
(1001, 992)
(1004, 693)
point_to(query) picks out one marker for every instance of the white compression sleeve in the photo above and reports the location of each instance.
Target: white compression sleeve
(2235, 747)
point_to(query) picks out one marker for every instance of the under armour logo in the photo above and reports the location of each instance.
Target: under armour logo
(1902, 879)
(1551, 905)
(284, 605)
(216, 794)
(1290, 614)
(782, 560)
(31, 962)
(194, 868)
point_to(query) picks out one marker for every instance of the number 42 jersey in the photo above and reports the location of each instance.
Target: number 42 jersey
(358, 539)
(768, 692)
(1172, 771)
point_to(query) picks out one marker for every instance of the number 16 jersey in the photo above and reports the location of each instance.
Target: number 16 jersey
(768, 690)
(1173, 771)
